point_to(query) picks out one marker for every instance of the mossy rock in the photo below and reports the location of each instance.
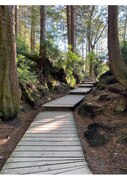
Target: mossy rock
(97, 134)
(86, 110)
(96, 138)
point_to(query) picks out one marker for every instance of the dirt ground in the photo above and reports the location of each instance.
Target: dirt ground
(109, 158)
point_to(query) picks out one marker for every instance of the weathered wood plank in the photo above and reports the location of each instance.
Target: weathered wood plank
(16, 165)
(55, 139)
(49, 169)
(66, 101)
(48, 148)
(86, 85)
(47, 154)
(41, 159)
(39, 135)
(50, 143)
(80, 91)
(58, 131)
(78, 170)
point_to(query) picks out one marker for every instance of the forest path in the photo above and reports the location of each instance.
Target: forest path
(51, 144)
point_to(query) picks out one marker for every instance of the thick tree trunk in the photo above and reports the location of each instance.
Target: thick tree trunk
(33, 24)
(42, 32)
(117, 63)
(9, 86)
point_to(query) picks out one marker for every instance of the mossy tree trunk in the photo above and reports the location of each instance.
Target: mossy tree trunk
(116, 61)
(43, 32)
(33, 28)
(9, 86)
(117, 64)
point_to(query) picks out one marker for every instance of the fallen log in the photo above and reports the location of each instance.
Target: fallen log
(45, 68)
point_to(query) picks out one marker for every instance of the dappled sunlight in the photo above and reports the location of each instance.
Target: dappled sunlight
(50, 124)
(62, 116)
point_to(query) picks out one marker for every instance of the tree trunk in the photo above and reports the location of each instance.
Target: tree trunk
(117, 63)
(73, 40)
(16, 21)
(9, 86)
(42, 32)
(33, 24)
(69, 25)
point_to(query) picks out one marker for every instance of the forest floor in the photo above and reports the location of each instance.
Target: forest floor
(108, 158)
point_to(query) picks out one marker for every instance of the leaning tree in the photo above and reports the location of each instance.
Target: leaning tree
(9, 86)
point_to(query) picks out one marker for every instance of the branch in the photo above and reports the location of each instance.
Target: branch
(97, 38)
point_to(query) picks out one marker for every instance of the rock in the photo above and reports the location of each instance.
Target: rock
(89, 110)
(86, 110)
(95, 135)
(104, 97)
(106, 79)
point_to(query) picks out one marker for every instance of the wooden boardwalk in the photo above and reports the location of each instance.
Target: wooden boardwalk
(68, 101)
(80, 91)
(51, 144)
(86, 85)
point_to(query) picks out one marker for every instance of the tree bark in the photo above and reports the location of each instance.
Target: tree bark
(33, 24)
(69, 25)
(9, 86)
(73, 40)
(42, 32)
(16, 20)
(117, 63)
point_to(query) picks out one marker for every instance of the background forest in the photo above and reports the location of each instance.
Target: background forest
(57, 46)
(45, 51)
(72, 41)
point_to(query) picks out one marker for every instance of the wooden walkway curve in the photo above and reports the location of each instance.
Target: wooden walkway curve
(51, 145)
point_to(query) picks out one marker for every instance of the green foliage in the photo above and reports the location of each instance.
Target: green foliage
(24, 72)
(53, 51)
(21, 44)
(72, 64)
(98, 66)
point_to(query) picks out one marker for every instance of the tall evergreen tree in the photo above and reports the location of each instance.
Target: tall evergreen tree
(9, 86)
(42, 32)
(117, 64)
(33, 27)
